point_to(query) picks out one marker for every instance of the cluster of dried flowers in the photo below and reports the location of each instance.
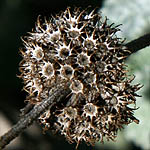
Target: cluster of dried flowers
(78, 47)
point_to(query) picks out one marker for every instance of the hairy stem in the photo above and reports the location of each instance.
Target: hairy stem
(55, 96)
(139, 43)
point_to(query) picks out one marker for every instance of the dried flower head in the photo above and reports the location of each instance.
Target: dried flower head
(78, 47)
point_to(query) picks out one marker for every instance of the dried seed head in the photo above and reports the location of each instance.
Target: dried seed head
(79, 47)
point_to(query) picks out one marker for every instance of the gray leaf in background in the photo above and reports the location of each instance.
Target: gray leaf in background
(134, 15)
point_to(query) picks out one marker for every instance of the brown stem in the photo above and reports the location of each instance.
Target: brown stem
(139, 43)
(55, 96)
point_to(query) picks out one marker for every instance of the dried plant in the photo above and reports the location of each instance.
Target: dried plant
(79, 48)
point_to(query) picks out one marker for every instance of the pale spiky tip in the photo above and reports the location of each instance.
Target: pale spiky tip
(77, 46)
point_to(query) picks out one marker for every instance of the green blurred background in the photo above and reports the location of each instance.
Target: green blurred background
(17, 17)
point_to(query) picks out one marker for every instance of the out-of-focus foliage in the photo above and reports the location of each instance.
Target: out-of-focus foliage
(134, 15)
(135, 19)
(140, 134)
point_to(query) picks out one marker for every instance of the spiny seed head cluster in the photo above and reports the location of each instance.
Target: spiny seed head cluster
(78, 47)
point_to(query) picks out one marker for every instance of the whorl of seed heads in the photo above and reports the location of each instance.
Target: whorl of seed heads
(79, 47)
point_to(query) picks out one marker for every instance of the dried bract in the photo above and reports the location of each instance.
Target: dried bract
(77, 46)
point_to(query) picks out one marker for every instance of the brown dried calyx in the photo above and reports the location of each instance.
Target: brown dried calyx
(78, 47)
